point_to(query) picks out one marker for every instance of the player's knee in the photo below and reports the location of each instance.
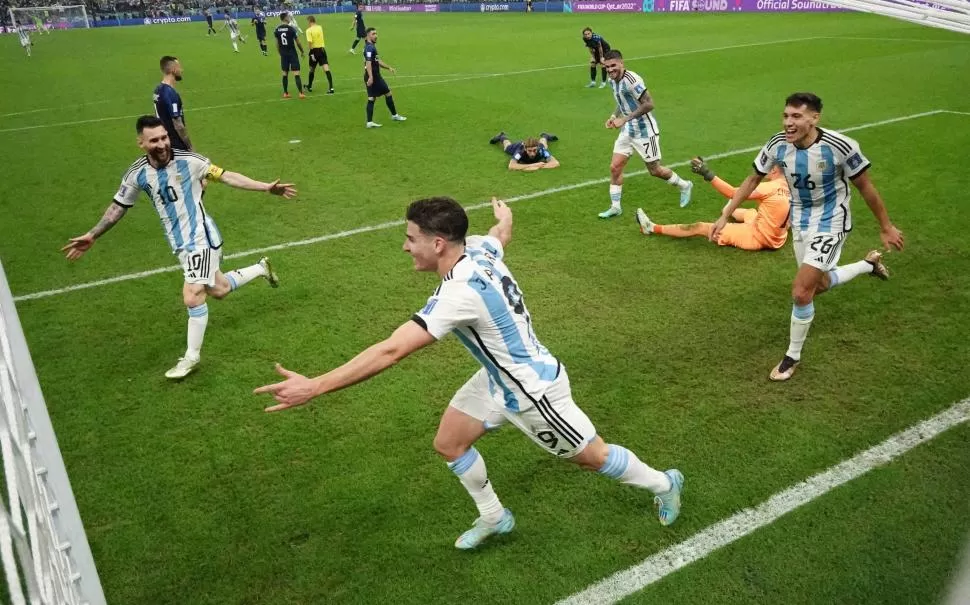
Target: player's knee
(448, 448)
(192, 297)
(616, 169)
(218, 291)
(801, 295)
(655, 169)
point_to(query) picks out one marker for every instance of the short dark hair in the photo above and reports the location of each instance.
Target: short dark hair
(311, 19)
(284, 16)
(612, 54)
(587, 29)
(441, 216)
(166, 62)
(147, 122)
(369, 30)
(808, 99)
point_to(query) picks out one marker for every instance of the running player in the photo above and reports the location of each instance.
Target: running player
(359, 25)
(318, 53)
(174, 181)
(818, 165)
(597, 50)
(25, 42)
(376, 86)
(529, 155)
(521, 382)
(287, 41)
(168, 104)
(208, 21)
(638, 132)
(764, 228)
(39, 26)
(233, 28)
(259, 22)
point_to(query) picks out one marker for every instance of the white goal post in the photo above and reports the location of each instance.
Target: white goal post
(56, 17)
(42, 541)
(953, 15)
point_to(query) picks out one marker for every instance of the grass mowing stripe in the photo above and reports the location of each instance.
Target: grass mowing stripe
(650, 570)
(447, 81)
(389, 224)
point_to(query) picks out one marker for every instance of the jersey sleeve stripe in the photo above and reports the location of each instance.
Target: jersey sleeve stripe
(136, 165)
(838, 144)
(181, 152)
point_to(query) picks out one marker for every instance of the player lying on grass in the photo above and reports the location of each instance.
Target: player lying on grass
(761, 228)
(529, 155)
(521, 382)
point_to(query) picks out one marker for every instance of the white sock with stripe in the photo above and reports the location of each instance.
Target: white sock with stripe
(840, 275)
(198, 320)
(470, 468)
(616, 192)
(676, 181)
(623, 465)
(801, 321)
(241, 277)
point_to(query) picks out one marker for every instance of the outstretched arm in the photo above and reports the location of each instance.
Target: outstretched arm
(77, 246)
(502, 230)
(297, 389)
(241, 181)
(515, 165)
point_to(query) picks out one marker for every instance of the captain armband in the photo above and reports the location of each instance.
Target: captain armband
(214, 172)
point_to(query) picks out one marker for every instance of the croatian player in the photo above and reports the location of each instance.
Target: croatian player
(597, 50)
(168, 103)
(374, 81)
(529, 155)
(259, 22)
(208, 21)
(233, 27)
(521, 382)
(358, 24)
(818, 165)
(174, 181)
(764, 228)
(638, 132)
(287, 41)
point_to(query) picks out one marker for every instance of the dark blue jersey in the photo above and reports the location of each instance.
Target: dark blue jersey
(359, 20)
(370, 56)
(168, 106)
(594, 42)
(259, 20)
(517, 151)
(286, 38)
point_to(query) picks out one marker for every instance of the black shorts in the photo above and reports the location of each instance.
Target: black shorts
(318, 56)
(361, 33)
(261, 35)
(289, 62)
(378, 88)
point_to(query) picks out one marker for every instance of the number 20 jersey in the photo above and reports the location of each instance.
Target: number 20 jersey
(176, 192)
(817, 179)
(480, 302)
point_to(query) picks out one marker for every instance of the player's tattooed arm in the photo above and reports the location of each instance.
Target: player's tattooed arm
(112, 215)
(180, 128)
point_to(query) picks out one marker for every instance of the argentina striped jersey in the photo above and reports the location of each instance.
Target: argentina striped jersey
(176, 192)
(627, 93)
(818, 178)
(480, 302)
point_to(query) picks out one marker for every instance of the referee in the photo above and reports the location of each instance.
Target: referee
(318, 54)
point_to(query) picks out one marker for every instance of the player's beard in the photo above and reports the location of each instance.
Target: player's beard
(178, 77)
(162, 156)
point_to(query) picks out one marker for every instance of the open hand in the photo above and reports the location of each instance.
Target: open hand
(287, 190)
(892, 238)
(296, 390)
(77, 246)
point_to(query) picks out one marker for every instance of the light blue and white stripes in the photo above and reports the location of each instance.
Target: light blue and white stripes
(616, 462)
(803, 311)
(200, 311)
(460, 465)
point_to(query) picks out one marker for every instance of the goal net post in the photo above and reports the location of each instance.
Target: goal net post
(56, 17)
(953, 15)
(44, 550)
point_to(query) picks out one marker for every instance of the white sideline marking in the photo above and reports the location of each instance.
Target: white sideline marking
(432, 82)
(397, 223)
(723, 533)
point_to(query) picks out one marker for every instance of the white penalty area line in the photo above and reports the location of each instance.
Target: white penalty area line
(448, 80)
(398, 223)
(658, 566)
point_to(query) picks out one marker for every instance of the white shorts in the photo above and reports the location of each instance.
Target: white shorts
(233, 35)
(201, 266)
(819, 250)
(554, 422)
(647, 148)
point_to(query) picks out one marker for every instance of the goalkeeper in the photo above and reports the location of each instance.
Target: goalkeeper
(761, 228)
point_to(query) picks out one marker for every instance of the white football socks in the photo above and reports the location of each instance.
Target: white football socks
(840, 275)
(198, 320)
(616, 192)
(241, 277)
(623, 465)
(470, 468)
(801, 321)
(676, 181)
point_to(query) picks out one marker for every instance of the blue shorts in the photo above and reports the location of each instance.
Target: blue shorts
(361, 33)
(289, 62)
(378, 88)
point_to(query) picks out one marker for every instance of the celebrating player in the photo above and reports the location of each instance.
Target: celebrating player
(174, 181)
(638, 132)
(25, 42)
(376, 86)
(520, 382)
(764, 228)
(168, 104)
(233, 27)
(816, 164)
(259, 22)
(358, 24)
(287, 41)
(318, 53)
(529, 155)
(597, 50)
